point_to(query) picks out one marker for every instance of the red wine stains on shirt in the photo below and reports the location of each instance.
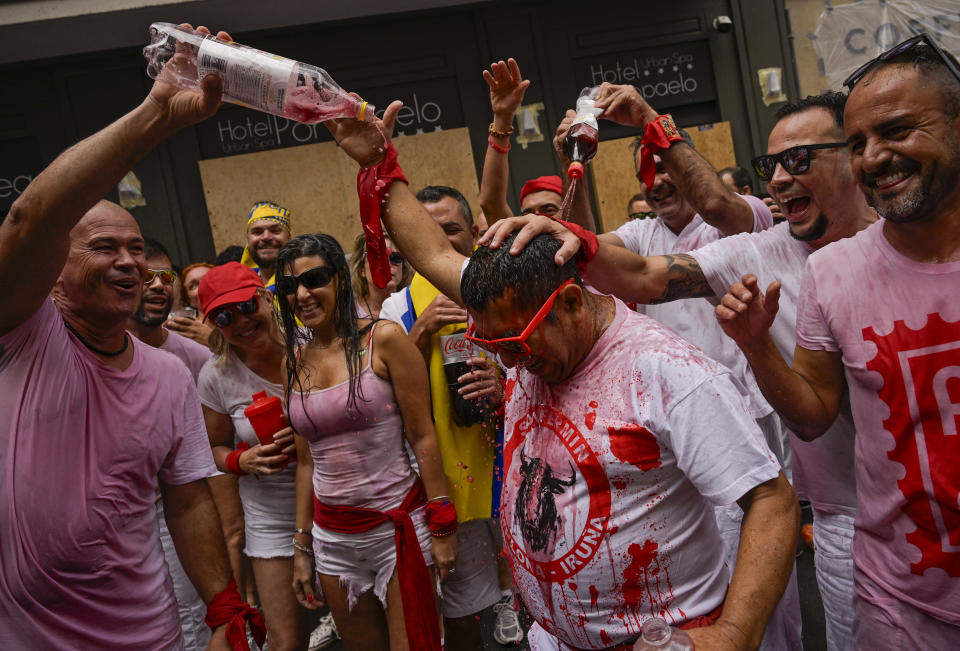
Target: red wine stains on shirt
(635, 445)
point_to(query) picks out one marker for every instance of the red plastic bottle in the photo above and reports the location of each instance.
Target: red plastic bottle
(580, 145)
(266, 417)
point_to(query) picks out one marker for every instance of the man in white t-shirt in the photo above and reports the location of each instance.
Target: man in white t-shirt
(824, 204)
(878, 317)
(91, 419)
(609, 477)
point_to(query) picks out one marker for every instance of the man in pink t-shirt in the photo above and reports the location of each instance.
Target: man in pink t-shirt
(91, 419)
(608, 476)
(878, 316)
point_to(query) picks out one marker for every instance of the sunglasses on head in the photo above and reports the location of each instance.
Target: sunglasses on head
(310, 279)
(643, 214)
(224, 315)
(795, 160)
(167, 277)
(396, 257)
(896, 51)
(517, 345)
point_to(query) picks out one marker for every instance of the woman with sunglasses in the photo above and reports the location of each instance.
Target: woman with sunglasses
(248, 356)
(370, 298)
(355, 388)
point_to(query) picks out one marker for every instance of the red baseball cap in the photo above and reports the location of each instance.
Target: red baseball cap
(227, 284)
(548, 183)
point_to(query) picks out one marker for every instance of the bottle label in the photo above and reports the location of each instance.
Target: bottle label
(251, 77)
(586, 112)
(455, 348)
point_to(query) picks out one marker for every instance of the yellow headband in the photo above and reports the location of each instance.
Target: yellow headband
(266, 210)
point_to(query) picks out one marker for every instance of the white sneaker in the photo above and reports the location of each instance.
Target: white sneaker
(324, 634)
(507, 630)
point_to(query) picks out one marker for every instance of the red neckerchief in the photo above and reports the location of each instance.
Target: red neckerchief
(373, 183)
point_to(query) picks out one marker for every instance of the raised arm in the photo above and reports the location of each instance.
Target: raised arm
(507, 88)
(806, 396)
(412, 229)
(35, 236)
(693, 175)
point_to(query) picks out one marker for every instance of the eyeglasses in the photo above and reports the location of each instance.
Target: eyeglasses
(517, 345)
(896, 51)
(167, 276)
(643, 214)
(795, 160)
(396, 257)
(311, 279)
(224, 316)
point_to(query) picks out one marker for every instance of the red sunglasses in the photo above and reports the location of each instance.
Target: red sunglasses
(517, 345)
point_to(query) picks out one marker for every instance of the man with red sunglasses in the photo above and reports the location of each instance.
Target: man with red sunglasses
(609, 474)
(93, 420)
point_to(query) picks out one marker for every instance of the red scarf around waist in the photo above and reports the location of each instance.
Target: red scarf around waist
(419, 609)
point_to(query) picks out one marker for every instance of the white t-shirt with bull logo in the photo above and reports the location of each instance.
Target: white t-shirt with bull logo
(610, 481)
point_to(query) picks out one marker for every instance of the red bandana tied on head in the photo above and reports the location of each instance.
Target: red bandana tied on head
(549, 183)
(659, 134)
(373, 183)
(226, 607)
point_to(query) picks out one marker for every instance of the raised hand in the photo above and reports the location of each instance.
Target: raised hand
(624, 105)
(365, 142)
(530, 226)
(745, 313)
(181, 107)
(561, 135)
(507, 87)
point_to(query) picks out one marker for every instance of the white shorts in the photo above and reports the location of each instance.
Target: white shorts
(365, 560)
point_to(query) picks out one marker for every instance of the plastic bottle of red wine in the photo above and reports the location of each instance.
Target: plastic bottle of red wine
(659, 636)
(251, 77)
(580, 145)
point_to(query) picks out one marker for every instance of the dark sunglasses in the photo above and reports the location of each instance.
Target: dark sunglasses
(643, 214)
(224, 315)
(795, 160)
(167, 277)
(396, 257)
(311, 279)
(896, 51)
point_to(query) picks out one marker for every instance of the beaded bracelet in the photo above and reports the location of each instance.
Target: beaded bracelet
(304, 532)
(500, 134)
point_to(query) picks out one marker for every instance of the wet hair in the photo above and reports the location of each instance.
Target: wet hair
(345, 313)
(435, 193)
(233, 253)
(152, 248)
(831, 100)
(635, 144)
(740, 176)
(532, 274)
(933, 72)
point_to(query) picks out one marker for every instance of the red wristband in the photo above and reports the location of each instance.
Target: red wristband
(502, 150)
(659, 134)
(232, 462)
(228, 608)
(373, 184)
(589, 243)
(441, 518)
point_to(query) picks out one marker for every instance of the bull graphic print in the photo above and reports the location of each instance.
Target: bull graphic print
(535, 510)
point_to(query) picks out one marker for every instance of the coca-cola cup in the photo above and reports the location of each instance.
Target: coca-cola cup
(266, 417)
(456, 349)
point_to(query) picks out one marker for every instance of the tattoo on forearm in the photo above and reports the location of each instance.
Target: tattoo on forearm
(684, 279)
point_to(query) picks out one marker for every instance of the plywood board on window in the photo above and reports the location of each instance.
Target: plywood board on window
(318, 183)
(613, 173)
